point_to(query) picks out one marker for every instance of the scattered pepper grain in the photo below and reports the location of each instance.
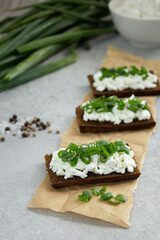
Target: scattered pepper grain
(28, 134)
(14, 116)
(48, 124)
(26, 124)
(24, 135)
(44, 126)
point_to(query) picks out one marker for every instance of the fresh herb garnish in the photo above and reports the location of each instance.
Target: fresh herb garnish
(104, 104)
(121, 198)
(84, 152)
(85, 197)
(95, 191)
(123, 71)
(104, 188)
(114, 202)
(108, 197)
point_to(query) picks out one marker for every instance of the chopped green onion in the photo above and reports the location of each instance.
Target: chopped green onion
(95, 191)
(121, 198)
(87, 194)
(86, 160)
(82, 198)
(106, 196)
(103, 190)
(124, 149)
(74, 161)
(73, 147)
(123, 71)
(102, 142)
(104, 104)
(105, 151)
(84, 152)
(113, 202)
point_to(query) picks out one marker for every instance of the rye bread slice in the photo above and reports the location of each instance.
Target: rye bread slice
(100, 127)
(126, 92)
(59, 181)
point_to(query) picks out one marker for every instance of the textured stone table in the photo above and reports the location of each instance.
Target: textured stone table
(54, 97)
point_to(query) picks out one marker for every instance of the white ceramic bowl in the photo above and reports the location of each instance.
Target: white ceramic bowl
(141, 32)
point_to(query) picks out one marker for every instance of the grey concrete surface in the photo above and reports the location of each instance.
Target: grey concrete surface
(54, 97)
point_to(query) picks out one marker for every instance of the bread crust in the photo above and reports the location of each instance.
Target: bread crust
(125, 92)
(59, 181)
(100, 127)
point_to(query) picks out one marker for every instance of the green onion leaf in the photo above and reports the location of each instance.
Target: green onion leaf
(95, 191)
(124, 149)
(121, 198)
(112, 147)
(86, 160)
(105, 151)
(102, 191)
(82, 198)
(87, 194)
(74, 161)
(102, 142)
(114, 202)
(104, 104)
(103, 159)
(106, 196)
(60, 153)
(123, 71)
(73, 147)
(120, 143)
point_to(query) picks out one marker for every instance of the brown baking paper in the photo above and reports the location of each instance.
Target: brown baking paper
(65, 200)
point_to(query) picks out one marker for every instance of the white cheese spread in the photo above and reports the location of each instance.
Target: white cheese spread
(120, 162)
(122, 82)
(117, 116)
(138, 8)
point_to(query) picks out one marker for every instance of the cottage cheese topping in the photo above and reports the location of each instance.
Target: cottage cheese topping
(138, 8)
(122, 82)
(118, 116)
(119, 163)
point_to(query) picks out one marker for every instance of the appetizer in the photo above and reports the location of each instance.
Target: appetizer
(123, 82)
(91, 163)
(114, 114)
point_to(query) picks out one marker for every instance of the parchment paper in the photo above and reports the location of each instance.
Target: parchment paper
(64, 200)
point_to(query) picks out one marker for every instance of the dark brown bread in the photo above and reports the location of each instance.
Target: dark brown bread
(126, 92)
(99, 127)
(60, 182)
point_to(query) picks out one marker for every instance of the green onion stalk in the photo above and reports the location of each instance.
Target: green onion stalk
(64, 37)
(43, 30)
(40, 71)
